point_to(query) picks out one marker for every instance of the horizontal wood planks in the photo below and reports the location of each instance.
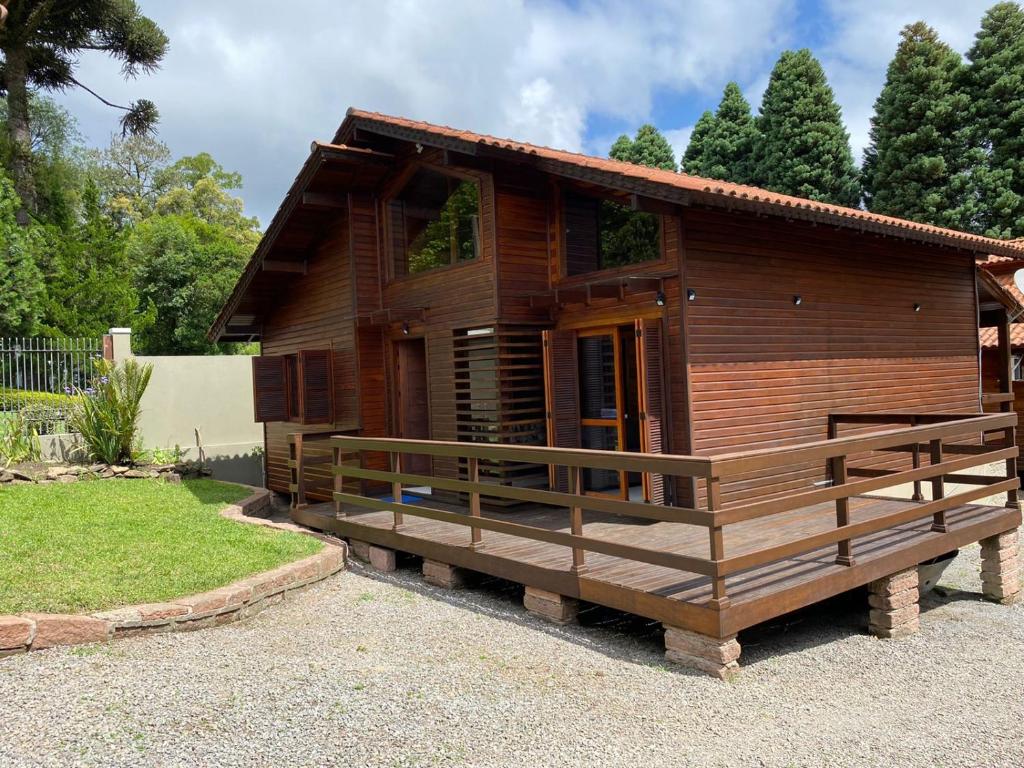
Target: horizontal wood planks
(766, 371)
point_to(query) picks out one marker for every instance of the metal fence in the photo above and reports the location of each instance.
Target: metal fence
(38, 375)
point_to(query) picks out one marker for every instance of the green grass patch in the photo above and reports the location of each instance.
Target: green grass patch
(101, 544)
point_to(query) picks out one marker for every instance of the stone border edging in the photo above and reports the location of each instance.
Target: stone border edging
(36, 631)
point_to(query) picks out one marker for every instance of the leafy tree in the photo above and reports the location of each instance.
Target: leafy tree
(729, 144)
(41, 42)
(696, 150)
(91, 287)
(199, 186)
(916, 166)
(648, 148)
(21, 283)
(994, 84)
(804, 149)
(131, 175)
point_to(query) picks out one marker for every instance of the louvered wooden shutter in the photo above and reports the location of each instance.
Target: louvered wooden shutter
(316, 387)
(651, 377)
(561, 395)
(582, 246)
(270, 388)
(396, 221)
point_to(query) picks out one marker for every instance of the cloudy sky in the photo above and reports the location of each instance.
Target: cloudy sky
(254, 81)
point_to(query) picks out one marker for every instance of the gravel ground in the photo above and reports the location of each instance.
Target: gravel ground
(383, 670)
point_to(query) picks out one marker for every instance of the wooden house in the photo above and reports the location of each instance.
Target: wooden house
(670, 395)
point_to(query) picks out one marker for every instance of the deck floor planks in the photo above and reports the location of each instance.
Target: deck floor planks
(745, 587)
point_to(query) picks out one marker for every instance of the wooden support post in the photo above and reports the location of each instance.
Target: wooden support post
(473, 472)
(1010, 438)
(839, 477)
(719, 599)
(298, 483)
(396, 490)
(916, 453)
(576, 519)
(938, 486)
(339, 480)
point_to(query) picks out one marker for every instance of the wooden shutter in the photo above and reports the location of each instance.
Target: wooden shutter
(561, 398)
(396, 222)
(651, 380)
(316, 388)
(270, 388)
(582, 245)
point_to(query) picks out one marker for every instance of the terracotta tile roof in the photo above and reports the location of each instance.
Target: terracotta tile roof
(989, 337)
(675, 185)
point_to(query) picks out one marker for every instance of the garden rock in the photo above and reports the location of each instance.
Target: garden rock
(5, 476)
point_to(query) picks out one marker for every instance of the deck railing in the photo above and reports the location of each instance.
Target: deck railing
(953, 443)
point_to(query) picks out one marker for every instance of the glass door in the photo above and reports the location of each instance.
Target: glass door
(601, 406)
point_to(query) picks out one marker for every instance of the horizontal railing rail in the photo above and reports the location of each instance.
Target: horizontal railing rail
(952, 443)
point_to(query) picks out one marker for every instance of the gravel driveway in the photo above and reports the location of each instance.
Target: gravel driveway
(382, 670)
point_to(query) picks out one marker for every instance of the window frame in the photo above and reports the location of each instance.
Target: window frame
(562, 273)
(388, 231)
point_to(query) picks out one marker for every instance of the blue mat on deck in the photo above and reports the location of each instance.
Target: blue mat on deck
(407, 498)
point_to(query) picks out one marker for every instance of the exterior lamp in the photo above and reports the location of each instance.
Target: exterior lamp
(691, 294)
(660, 299)
(405, 328)
(917, 307)
(798, 300)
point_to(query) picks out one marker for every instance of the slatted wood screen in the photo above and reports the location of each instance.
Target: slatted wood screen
(316, 388)
(651, 378)
(270, 388)
(562, 407)
(499, 398)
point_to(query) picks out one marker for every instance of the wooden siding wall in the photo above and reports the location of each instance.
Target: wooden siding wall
(315, 312)
(766, 372)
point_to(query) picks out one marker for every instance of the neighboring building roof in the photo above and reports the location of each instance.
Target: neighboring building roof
(653, 180)
(1000, 270)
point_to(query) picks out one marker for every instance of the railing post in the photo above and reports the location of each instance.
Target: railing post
(831, 434)
(916, 453)
(339, 480)
(839, 477)
(938, 485)
(473, 473)
(1010, 434)
(396, 489)
(576, 518)
(298, 483)
(719, 599)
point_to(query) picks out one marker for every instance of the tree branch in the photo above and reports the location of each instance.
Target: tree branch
(90, 90)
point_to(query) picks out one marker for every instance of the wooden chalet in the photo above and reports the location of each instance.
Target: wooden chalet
(1002, 346)
(677, 397)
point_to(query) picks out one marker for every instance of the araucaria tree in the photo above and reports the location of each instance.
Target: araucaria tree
(804, 149)
(916, 166)
(995, 87)
(41, 41)
(648, 148)
(722, 146)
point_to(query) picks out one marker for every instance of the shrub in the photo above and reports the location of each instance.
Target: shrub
(107, 416)
(16, 399)
(18, 439)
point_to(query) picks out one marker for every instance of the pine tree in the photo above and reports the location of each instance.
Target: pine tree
(696, 150)
(916, 164)
(995, 86)
(648, 148)
(729, 147)
(804, 149)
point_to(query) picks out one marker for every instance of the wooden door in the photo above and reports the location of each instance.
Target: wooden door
(561, 396)
(602, 410)
(411, 403)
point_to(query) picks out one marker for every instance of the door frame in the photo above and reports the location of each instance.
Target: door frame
(619, 422)
(394, 395)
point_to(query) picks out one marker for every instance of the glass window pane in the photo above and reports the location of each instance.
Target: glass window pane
(597, 377)
(600, 439)
(440, 222)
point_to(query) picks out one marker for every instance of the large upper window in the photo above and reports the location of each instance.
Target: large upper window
(435, 222)
(602, 234)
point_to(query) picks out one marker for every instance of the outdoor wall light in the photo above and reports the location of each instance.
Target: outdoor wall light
(798, 300)
(690, 294)
(660, 299)
(405, 328)
(917, 307)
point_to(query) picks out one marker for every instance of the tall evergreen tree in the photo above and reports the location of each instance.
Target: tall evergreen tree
(693, 161)
(41, 41)
(916, 164)
(648, 148)
(729, 147)
(804, 149)
(995, 86)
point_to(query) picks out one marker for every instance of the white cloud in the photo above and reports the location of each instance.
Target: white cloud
(254, 81)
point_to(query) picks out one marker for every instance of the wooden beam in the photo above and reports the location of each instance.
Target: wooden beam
(642, 284)
(651, 205)
(572, 295)
(606, 291)
(324, 200)
(293, 267)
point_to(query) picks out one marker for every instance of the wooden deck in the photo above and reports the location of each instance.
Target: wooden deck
(713, 568)
(665, 594)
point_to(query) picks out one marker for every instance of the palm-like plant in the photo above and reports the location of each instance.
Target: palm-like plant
(107, 417)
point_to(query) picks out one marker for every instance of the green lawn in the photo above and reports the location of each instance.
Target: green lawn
(100, 544)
